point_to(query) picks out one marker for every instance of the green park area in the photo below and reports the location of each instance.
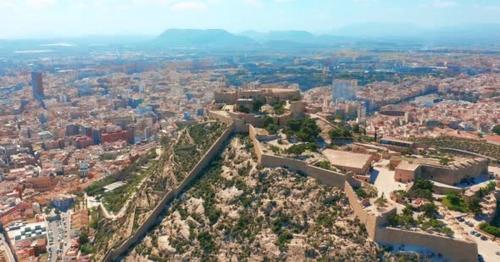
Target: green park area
(131, 177)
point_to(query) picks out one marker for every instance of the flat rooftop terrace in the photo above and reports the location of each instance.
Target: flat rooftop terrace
(347, 159)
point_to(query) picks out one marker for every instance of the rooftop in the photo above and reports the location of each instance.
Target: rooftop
(347, 159)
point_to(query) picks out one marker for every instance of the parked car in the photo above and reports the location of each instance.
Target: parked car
(484, 238)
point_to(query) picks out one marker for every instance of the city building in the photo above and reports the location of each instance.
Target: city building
(37, 85)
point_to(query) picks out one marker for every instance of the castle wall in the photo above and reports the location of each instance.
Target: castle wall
(454, 249)
(116, 253)
(325, 176)
(252, 133)
(453, 174)
(369, 220)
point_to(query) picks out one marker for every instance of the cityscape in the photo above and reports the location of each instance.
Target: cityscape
(253, 140)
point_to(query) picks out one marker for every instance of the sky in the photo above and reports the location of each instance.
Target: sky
(63, 18)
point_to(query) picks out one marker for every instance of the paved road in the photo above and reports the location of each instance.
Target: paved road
(59, 236)
(486, 248)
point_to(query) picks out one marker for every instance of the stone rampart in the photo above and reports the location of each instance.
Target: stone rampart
(115, 253)
(454, 249)
(327, 177)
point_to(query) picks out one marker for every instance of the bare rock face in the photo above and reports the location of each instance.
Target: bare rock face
(164, 245)
(228, 194)
(195, 206)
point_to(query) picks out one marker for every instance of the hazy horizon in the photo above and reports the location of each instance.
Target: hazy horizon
(80, 18)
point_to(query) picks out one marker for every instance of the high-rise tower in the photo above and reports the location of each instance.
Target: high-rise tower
(37, 85)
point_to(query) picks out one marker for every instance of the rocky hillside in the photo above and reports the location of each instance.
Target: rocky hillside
(238, 211)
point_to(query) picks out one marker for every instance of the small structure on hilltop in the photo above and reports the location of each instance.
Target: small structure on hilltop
(451, 172)
(357, 163)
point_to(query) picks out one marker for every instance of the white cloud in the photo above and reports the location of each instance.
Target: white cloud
(188, 6)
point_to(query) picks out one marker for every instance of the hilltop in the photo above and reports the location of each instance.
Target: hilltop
(198, 38)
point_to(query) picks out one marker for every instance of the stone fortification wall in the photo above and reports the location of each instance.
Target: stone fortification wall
(257, 147)
(221, 116)
(369, 220)
(116, 253)
(454, 249)
(327, 177)
(453, 174)
(372, 220)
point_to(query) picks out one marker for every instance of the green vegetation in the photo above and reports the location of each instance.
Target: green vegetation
(325, 164)
(298, 149)
(340, 132)
(306, 130)
(405, 219)
(279, 107)
(85, 245)
(193, 144)
(270, 125)
(445, 160)
(494, 226)
(381, 201)
(366, 192)
(257, 104)
(475, 146)
(427, 221)
(496, 129)
(125, 175)
(206, 242)
(483, 191)
(457, 202)
(275, 149)
(243, 109)
(430, 210)
(421, 189)
(132, 176)
(454, 201)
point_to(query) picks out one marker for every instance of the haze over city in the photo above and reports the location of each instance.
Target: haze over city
(69, 18)
(250, 130)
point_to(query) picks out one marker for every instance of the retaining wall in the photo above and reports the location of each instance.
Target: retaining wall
(327, 177)
(454, 249)
(372, 221)
(252, 133)
(116, 253)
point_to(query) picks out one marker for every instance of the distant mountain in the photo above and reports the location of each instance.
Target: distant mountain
(197, 38)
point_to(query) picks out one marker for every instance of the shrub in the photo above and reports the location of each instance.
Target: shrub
(324, 164)
(453, 201)
(306, 129)
(301, 148)
(206, 242)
